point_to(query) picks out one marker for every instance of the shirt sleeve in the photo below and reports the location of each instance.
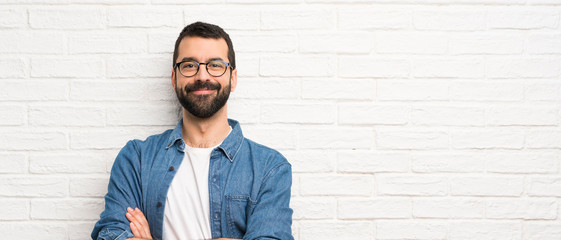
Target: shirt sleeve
(124, 190)
(272, 216)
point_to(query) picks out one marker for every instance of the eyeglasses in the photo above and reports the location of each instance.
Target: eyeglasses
(215, 68)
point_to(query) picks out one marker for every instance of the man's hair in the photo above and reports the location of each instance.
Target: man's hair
(205, 30)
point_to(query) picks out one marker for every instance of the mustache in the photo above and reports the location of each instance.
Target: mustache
(198, 85)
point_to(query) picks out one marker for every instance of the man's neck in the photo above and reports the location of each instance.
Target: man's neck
(205, 132)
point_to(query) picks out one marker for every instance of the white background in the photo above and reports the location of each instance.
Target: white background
(403, 119)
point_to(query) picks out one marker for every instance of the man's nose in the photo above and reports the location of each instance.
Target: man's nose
(202, 74)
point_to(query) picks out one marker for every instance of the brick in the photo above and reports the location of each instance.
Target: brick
(298, 113)
(313, 208)
(297, 19)
(522, 18)
(33, 187)
(184, 2)
(336, 185)
(335, 42)
(339, 230)
(159, 90)
(453, 162)
(33, 230)
(486, 43)
(543, 90)
(265, 42)
(521, 209)
(354, 89)
(542, 231)
(448, 116)
(248, 65)
(535, 115)
(80, 229)
(545, 186)
(162, 42)
(231, 18)
(13, 115)
(13, 18)
(14, 209)
(13, 162)
(543, 139)
(276, 138)
(33, 140)
(31, 42)
(263, 1)
(137, 67)
(297, 66)
(108, 138)
(373, 114)
(544, 2)
(107, 43)
(408, 185)
(514, 67)
(373, 67)
(523, 163)
(110, 2)
(336, 138)
(88, 186)
(411, 139)
(372, 162)
(63, 209)
(144, 17)
(406, 90)
(66, 18)
(451, 208)
(484, 230)
(374, 208)
(68, 162)
(400, 42)
(67, 67)
(104, 90)
(41, 90)
(66, 115)
(374, 18)
(142, 114)
(487, 91)
(486, 186)
(449, 20)
(448, 68)
(418, 230)
(13, 68)
(482, 139)
(311, 161)
(244, 111)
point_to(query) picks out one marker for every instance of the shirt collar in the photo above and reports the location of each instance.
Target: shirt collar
(230, 146)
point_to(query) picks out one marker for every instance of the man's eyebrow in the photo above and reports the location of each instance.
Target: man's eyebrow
(193, 59)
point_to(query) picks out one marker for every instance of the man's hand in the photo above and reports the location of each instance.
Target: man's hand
(139, 225)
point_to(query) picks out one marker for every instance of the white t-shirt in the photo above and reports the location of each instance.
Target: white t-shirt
(186, 215)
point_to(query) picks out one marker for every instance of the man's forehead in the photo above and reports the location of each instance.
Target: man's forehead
(202, 49)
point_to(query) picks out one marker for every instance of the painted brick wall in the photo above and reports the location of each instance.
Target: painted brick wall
(403, 119)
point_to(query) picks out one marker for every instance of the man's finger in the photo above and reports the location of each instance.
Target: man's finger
(144, 222)
(134, 230)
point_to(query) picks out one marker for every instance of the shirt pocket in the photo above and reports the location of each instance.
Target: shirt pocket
(238, 208)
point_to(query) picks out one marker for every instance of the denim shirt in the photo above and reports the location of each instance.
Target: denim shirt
(249, 187)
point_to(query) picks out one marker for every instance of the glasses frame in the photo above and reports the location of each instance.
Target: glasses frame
(206, 67)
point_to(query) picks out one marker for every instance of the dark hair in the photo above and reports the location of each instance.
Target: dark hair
(205, 30)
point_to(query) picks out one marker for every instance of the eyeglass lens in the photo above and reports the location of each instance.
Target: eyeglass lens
(214, 68)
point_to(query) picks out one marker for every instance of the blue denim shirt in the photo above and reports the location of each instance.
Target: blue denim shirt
(249, 187)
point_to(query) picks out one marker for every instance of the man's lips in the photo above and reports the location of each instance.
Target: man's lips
(203, 91)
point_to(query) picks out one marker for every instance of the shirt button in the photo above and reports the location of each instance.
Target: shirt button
(171, 168)
(231, 156)
(213, 179)
(216, 216)
(159, 204)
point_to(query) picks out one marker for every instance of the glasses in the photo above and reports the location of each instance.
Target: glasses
(215, 68)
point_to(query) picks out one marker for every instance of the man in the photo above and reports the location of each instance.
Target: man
(203, 179)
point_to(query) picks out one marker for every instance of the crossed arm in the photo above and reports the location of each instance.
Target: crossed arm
(140, 228)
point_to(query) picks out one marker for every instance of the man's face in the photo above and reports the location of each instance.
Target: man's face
(203, 95)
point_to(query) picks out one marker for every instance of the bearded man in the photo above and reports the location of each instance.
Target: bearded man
(203, 179)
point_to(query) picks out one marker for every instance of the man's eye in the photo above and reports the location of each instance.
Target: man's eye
(188, 66)
(216, 65)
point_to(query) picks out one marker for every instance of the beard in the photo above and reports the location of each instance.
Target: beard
(206, 105)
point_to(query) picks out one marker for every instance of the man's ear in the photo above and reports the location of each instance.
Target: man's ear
(234, 80)
(173, 82)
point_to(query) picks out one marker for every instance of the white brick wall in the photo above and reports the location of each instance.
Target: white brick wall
(403, 119)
